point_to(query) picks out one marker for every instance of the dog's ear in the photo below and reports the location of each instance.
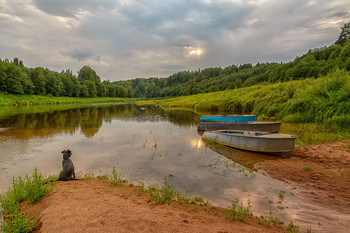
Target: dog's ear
(63, 152)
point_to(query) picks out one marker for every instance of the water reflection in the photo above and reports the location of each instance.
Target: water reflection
(197, 143)
(87, 119)
(245, 158)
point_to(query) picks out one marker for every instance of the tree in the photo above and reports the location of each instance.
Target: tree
(70, 84)
(39, 80)
(344, 34)
(88, 74)
(54, 85)
(12, 82)
(17, 62)
(3, 76)
(111, 89)
(83, 92)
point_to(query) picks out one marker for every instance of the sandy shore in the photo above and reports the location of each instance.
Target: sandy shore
(97, 206)
(318, 173)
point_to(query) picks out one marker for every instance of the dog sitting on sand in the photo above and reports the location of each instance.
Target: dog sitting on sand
(68, 168)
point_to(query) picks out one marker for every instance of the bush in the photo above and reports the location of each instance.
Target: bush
(32, 188)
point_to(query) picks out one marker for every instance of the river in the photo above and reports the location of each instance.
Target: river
(144, 144)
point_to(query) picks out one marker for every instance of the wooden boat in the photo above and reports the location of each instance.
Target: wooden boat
(230, 118)
(261, 126)
(265, 142)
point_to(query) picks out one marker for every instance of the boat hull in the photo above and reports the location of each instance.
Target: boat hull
(230, 118)
(264, 142)
(261, 126)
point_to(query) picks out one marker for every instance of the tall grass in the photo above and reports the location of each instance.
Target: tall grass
(31, 188)
(325, 100)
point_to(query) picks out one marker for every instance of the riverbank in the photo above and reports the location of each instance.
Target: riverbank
(98, 206)
(14, 100)
(324, 100)
(315, 173)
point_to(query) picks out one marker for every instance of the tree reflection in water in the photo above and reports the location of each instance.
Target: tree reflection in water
(88, 119)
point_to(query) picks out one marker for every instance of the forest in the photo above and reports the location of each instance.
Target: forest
(15, 78)
(314, 64)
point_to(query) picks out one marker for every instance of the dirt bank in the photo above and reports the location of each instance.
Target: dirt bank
(97, 206)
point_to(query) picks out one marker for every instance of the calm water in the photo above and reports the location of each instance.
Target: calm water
(144, 145)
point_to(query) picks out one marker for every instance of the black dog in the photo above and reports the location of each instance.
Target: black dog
(68, 168)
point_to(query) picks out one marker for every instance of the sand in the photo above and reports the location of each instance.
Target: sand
(97, 206)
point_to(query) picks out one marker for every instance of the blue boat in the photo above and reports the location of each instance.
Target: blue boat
(230, 118)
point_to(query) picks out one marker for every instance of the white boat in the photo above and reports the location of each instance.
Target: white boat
(264, 142)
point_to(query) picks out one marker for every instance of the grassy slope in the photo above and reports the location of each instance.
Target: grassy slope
(323, 103)
(326, 99)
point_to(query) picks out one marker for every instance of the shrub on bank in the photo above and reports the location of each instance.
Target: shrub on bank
(31, 188)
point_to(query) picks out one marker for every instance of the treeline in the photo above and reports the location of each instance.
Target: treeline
(316, 63)
(15, 78)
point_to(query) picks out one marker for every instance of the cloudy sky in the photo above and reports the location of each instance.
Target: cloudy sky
(126, 39)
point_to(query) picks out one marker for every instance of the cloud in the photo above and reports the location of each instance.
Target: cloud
(124, 39)
(80, 54)
(68, 8)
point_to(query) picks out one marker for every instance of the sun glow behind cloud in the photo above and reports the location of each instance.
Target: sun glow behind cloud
(197, 52)
(193, 51)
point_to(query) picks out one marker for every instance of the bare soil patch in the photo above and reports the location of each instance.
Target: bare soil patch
(97, 206)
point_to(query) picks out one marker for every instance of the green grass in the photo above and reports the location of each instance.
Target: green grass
(292, 228)
(14, 100)
(269, 220)
(30, 188)
(307, 168)
(116, 179)
(281, 195)
(164, 194)
(238, 211)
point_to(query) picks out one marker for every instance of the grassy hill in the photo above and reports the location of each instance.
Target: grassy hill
(324, 102)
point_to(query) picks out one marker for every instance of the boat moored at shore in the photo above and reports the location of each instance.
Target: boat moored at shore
(230, 118)
(261, 126)
(264, 142)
